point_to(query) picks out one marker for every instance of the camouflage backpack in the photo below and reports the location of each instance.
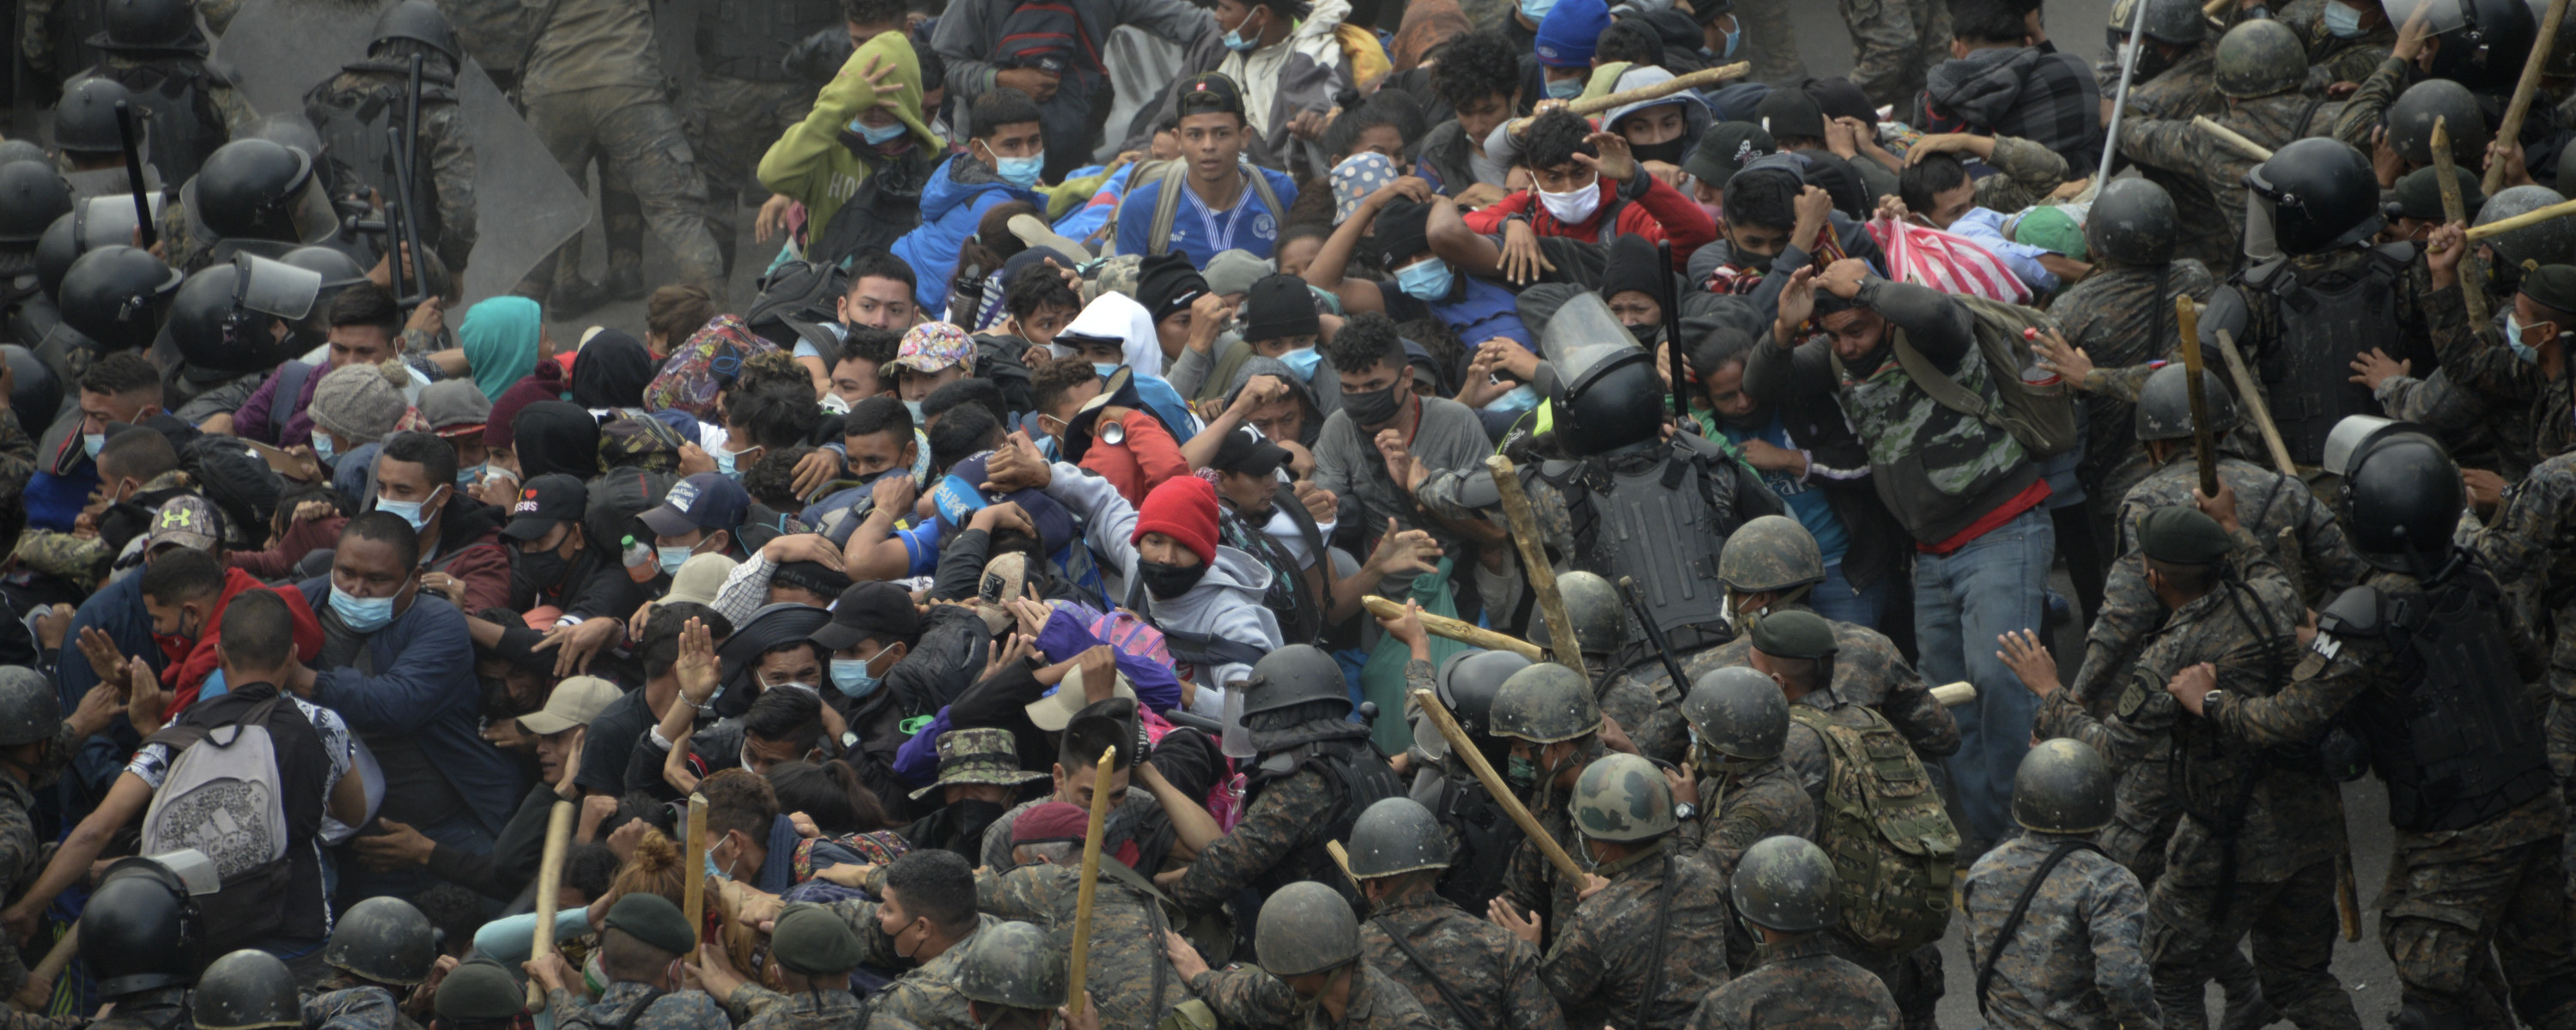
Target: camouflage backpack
(1890, 839)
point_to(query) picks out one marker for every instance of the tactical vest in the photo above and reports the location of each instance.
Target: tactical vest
(2455, 739)
(352, 124)
(2325, 320)
(1358, 775)
(1883, 824)
(1483, 839)
(178, 92)
(1662, 524)
(746, 39)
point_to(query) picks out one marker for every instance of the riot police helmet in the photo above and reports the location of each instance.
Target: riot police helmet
(117, 296)
(2164, 405)
(1737, 712)
(1785, 884)
(2319, 193)
(2063, 786)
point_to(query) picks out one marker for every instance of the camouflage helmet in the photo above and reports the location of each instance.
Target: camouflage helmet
(2543, 243)
(1738, 712)
(1012, 965)
(1769, 554)
(1305, 928)
(2133, 222)
(1785, 884)
(2063, 786)
(385, 940)
(419, 21)
(2260, 58)
(1544, 704)
(1600, 617)
(1397, 835)
(1294, 675)
(2171, 22)
(2412, 114)
(30, 711)
(1623, 799)
(2164, 404)
(244, 990)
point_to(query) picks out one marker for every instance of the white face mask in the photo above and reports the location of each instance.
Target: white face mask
(1576, 207)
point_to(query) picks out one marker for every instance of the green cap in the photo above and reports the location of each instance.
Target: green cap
(2418, 194)
(652, 918)
(2051, 229)
(2181, 534)
(811, 940)
(481, 989)
(2552, 286)
(1794, 634)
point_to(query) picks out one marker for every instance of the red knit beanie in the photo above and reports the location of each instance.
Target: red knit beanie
(544, 383)
(1183, 508)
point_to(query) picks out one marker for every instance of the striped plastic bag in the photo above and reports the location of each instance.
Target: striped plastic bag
(1946, 262)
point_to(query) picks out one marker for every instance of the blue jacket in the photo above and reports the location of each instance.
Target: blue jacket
(953, 203)
(427, 691)
(1249, 226)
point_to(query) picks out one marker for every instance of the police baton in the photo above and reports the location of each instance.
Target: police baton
(1671, 300)
(549, 884)
(1076, 967)
(2188, 316)
(1466, 751)
(2473, 297)
(1534, 566)
(1654, 633)
(144, 230)
(2509, 130)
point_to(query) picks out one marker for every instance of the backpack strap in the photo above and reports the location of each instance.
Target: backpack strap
(2021, 907)
(636, 1011)
(1167, 206)
(179, 737)
(1944, 390)
(1663, 941)
(290, 387)
(1261, 185)
(1466, 1016)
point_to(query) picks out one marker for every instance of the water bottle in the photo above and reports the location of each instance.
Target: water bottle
(642, 564)
(2033, 374)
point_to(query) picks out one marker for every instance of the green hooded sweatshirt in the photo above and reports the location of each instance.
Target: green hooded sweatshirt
(812, 165)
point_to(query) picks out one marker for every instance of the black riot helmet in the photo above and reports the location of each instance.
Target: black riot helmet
(29, 709)
(2488, 50)
(256, 189)
(246, 990)
(55, 251)
(139, 931)
(1786, 884)
(117, 296)
(2320, 194)
(1466, 684)
(2164, 405)
(85, 117)
(2062, 786)
(385, 940)
(338, 270)
(12, 150)
(2402, 492)
(1397, 835)
(2412, 114)
(34, 392)
(32, 195)
(148, 25)
(2133, 222)
(1294, 675)
(2171, 22)
(419, 21)
(1600, 385)
(224, 317)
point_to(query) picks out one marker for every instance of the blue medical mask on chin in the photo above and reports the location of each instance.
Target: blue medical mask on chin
(2343, 22)
(1303, 361)
(1734, 40)
(92, 443)
(852, 677)
(1565, 89)
(877, 135)
(1520, 399)
(323, 448)
(1234, 41)
(1425, 280)
(363, 614)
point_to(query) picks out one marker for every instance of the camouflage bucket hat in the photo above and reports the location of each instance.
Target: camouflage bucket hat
(984, 756)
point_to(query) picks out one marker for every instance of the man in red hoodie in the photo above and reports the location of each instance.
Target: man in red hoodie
(185, 589)
(1586, 185)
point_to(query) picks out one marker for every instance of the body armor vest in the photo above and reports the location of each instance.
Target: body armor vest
(2455, 739)
(352, 125)
(184, 127)
(746, 39)
(1482, 850)
(2324, 320)
(1357, 773)
(1663, 523)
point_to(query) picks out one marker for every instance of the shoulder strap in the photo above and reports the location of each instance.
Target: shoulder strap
(1655, 959)
(179, 737)
(1261, 185)
(1944, 390)
(636, 1011)
(290, 385)
(2021, 907)
(1466, 1017)
(1167, 206)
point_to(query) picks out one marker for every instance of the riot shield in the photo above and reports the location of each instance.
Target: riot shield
(525, 206)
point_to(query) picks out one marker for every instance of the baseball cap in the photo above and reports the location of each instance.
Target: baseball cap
(455, 409)
(185, 521)
(1054, 711)
(871, 609)
(543, 501)
(1726, 149)
(1209, 93)
(1245, 454)
(575, 702)
(1789, 112)
(708, 500)
(698, 579)
(933, 346)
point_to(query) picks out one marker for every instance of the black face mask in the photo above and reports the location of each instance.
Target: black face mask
(543, 571)
(1648, 334)
(1374, 408)
(1166, 581)
(1756, 262)
(1669, 151)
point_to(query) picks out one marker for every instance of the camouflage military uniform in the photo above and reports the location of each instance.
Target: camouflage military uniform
(2256, 848)
(2366, 110)
(2030, 173)
(677, 1010)
(447, 148)
(1894, 42)
(2532, 536)
(1739, 807)
(1645, 705)
(2120, 317)
(2332, 60)
(733, 122)
(1770, 41)
(1130, 976)
(754, 1007)
(1137, 827)
(2175, 145)
(2450, 895)
(1247, 997)
(1491, 972)
(1287, 815)
(1798, 984)
(2519, 395)
(2077, 961)
(494, 33)
(2178, 93)
(356, 1008)
(17, 454)
(1662, 921)
(1530, 881)
(225, 101)
(926, 994)
(20, 857)
(1870, 672)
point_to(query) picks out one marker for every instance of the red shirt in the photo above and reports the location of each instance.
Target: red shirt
(1136, 465)
(1662, 213)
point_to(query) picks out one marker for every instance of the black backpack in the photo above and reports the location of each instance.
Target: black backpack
(238, 482)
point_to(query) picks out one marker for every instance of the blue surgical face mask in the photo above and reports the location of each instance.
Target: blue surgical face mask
(1020, 171)
(362, 614)
(1104, 370)
(1302, 361)
(875, 135)
(671, 557)
(92, 443)
(467, 476)
(2513, 327)
(1565, 89)
(915, 408)
(1520, 399)
(1536, 10)
(1234, 41)
(852, 677)
(408, 510)
(725, 461)
(1425, 280)
(1734, 40)
(322, 447)
(2343, 22)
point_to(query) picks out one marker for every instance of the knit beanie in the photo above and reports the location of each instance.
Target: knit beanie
(1631, 265)
(1183, 508)
(357, 404)
(544, 384)
(1570, 32)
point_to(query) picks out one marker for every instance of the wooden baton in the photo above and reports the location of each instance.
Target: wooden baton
(2446, 179)
(1077, 965)
(2235, 141)
(2255, 409)
(1534, 566)
(2534, 217)
(2509, 130)
(1453, 629)
(1502, 794)
(550, 865)
(693, 890)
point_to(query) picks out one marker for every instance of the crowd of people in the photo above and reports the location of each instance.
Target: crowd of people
(1284, 513)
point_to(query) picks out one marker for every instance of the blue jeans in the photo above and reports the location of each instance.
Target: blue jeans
(1835, 599)
(1963, 600)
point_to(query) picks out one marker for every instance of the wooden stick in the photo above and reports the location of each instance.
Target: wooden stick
(2347, 902)
(1534, 566)
(693, 888)
(1589, 106)
(550, 865)
(41, 978)
(2202, 449)
(2249, 394)
(1465, 749)
(2473, 297)
(2215, 7)
(1453, 629)
(1342, 858)
(2509, 131)
(1952, 695)
(2505, 225)
(1081, 958)
(2235, 141)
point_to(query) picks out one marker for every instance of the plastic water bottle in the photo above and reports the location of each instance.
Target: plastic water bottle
(2034, 374)
(641, 563)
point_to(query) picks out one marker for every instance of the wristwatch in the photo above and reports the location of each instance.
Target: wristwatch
(1684, 811)
(2209, 703)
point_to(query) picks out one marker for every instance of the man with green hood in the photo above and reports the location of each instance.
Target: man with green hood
(864, 148)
